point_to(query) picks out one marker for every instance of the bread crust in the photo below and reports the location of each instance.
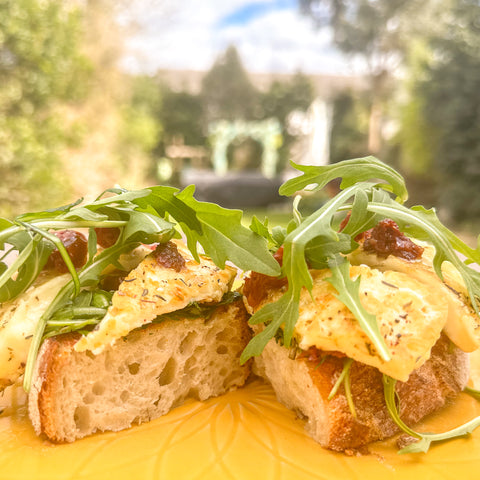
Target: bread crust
(304, 385)
(141, 377)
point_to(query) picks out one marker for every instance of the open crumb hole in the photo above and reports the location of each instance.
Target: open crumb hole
(168, 373)
(188, 343)
(98, 388)
(225, 334)
(133, 368)
(81, 418)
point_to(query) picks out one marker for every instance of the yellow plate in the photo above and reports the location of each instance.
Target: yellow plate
(245, 434)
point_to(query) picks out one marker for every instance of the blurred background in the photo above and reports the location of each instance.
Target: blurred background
(95, 93)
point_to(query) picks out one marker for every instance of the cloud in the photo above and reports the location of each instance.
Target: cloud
(270, 35)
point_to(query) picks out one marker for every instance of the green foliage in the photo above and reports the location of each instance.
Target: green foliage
(349, 135)
(451, 107)
(416, 136)
(227, 92)
(315, 241)
(140, 129)
(281, 99)
(181, 113)
(284, 97)
(370, 28)
(40, 65)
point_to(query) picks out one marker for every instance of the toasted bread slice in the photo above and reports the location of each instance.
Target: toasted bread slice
(304, 384)
(152, 370)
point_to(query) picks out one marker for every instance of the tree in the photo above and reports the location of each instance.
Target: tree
(41, 66)
(181, 113)
(375, 30)
(282, 98)
(449, 88)
(140, 129)
(349, 135)
(227, 93)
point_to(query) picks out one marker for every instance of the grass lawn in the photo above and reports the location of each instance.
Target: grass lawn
(276, 216)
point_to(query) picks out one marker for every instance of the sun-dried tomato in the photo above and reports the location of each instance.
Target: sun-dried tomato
(256, 286)
(106, 237)
(386, 239)
(77, 248)
(168, 256)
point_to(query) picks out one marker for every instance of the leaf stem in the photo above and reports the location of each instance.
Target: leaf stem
(425, 439)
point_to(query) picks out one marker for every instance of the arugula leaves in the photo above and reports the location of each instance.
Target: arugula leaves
(315, 242)
(351, 172)
(348, 294)
(142, 216)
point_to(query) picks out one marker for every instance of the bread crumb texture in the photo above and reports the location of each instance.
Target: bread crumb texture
(146, 374)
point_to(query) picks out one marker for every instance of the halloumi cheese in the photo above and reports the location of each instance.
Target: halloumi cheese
(18, 320)
(410, 317)
(151, 290)
(463, 324)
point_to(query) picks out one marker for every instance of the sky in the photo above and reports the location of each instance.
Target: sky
(270, 35)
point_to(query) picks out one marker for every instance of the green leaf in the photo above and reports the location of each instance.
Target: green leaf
(27, 267)
(319, 224)
(352, 172)
(49, 213)
(278, 235)
(166, 200)
(319, 250)
(284, 313)
(62, 250)
(348, 294)
(146, 228)
(424, 224)
(223, 237)
(92, 246)
(256, 226)
(361, 219)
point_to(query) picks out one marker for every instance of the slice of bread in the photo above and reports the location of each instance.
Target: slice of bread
(304, 384)
(140, 377)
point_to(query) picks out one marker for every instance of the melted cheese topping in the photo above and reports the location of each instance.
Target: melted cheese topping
(410, 317)
(18, 320)
(462, 324)
(151, 290)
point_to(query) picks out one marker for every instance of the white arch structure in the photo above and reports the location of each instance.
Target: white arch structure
(268, 132)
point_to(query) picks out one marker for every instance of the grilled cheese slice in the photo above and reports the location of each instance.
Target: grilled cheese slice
(18, 320)
(462, 324)
(151, 290)
(410, 316)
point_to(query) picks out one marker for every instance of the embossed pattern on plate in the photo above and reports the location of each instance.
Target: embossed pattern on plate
(245, 434)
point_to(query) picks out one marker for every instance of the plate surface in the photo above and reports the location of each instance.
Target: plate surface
(245, 434)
